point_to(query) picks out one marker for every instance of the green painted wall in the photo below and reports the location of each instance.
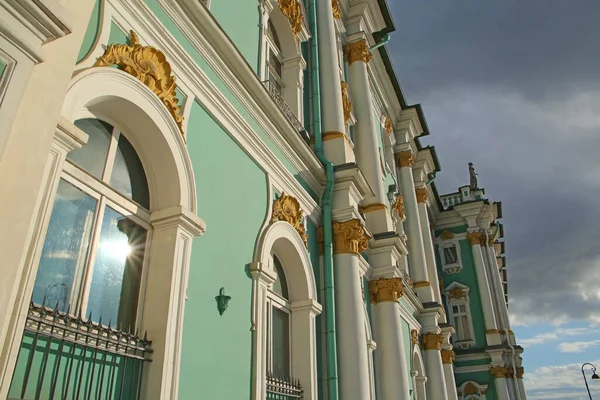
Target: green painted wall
(232, 200)
(468, 363)
(454, 229)
(407, 343)
(91, 33)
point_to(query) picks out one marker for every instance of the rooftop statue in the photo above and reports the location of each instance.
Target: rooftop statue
(472, 177)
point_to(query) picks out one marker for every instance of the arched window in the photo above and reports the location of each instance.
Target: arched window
(279, 325)
(459, 310)
(94, 252)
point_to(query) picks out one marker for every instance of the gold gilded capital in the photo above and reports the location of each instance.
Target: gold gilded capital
(476, 238)
(421, 195)
(405, 159)
(350, 237)
(389, 127)
(287, 208)
(385, 290)
(335, 8)
(399, 207)
(357, 51)
(499, 372)
(520, 372)
(432, 341)
(447, 356)
(447, 235)
(414, 337)
(346, 102)
(149, 66)
(293, 11)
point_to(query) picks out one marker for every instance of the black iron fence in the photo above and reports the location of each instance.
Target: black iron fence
(283, 388)
(287, 111)
(66, 357)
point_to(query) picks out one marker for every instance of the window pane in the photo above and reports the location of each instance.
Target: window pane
(280, 285)
(92, 156)
(117, 271)
(281, 343)
(464, 321)
(450, 256)
(66, 246)
(128, 176)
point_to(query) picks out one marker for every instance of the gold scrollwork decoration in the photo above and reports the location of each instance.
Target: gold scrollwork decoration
(447, 235)
(475, 238)
(350, 237)
(421, 194)
(388, 125)
(287, 208)
(398, 207)
(151, 67)
(520, 372)
(457, 294)
(346, 102)
(385, 290)
(447, 356)
(432, 341)
(335, 8)
(293, 11)
(357, 51)
(414, 337)
(470, 388)
(405, 159)
(499, 371)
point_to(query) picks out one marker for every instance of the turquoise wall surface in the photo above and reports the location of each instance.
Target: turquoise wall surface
(407, 343)
(232, 200)
(91, 33)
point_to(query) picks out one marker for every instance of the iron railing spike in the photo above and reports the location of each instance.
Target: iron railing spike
(56, 306)
(44, 302)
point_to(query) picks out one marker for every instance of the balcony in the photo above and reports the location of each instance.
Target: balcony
(65, 357)
(286, 110)
(283, 388)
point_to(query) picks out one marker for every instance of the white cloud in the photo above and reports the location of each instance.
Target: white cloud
(558, 334)
(577, 347)
(544, 381)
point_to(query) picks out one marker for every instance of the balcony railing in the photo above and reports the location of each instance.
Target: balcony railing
(67, 357)
(283, 388)
(287, 111)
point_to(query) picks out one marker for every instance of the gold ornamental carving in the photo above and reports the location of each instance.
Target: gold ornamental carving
(457, 294)
(293, 11)
(287, 208)
(414, 337)
(476, 238)
(421, 284)
(432, 341)
(470, 388)
(499, 372)
(520, 372)
(335, 8)
(405, 159)
(350, 237)
(399, 207)
(150, 66)
(389, 127)
(385, 290)
(447, 356)
(372, 207)
(346, 102)
(421, 194)
(447, 235)
(357, 51)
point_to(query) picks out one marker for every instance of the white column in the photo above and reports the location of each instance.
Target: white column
(500, 305)
(499, 374)
(436, 383)
(519, 383)
(448, 361)
(392, 371)
(416, 252)
(336, 144)
(492, 333)
(350, 239)
(421, 194)
(420, 388)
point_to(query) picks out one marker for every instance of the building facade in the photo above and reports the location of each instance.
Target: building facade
(210, 199)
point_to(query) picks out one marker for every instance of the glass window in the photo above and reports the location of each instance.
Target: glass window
(280, 284)
(93, 254)
(450, 255)
(461, 320)
(278, 325)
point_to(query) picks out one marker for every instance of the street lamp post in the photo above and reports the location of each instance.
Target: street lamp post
(594, 377)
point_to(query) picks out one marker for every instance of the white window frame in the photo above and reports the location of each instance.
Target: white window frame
(283, 304)
(453, 268)
(480, 395)
(454, 302)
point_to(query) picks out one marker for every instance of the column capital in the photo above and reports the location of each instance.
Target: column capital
(475, 238)
(520, 372)
(499, 371)
(447, 356)
(398, 207)
(432, 341)
(357, 51)
(405, 158)
(385, 290)
(350, 237)
(421, 194)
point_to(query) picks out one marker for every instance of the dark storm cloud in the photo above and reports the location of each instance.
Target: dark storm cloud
(515, 88)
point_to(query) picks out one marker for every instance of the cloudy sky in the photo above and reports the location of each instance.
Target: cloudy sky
(514, 87)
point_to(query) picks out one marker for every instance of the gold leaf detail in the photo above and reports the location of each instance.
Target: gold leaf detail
(475, 238)
(499, 372)
(357, 51)
(293, 11)
(389, 127)
(447, 356)
(399, 207)
(414, 337)
(150, 66)
(347, 104)
(446, 235)
(432, 341)
(385, 290)
(335, 8)
(470, 388)
(405, 159)
(457, 294)
(287, 208)
(350, 237)
(421, 194)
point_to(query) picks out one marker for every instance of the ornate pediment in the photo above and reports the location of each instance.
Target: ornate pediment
(287, 208)
(446, 235)
(150, 66)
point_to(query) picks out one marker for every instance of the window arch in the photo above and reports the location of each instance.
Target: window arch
(459, 310)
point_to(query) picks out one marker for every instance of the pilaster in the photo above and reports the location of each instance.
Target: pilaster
(499, 373)
(436, 383)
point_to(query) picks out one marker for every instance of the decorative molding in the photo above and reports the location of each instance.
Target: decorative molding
(293, 11)
(405, 159)
(421, 194)
(470, 388)
(150, 66)
(385, 290)
(492, 331)
(432, 341)
(457, 294)
(520, 372)
(446, 235)
(335, 8)
(357, 51)
(287, 208)
(398, 207)
(476, 238)
(414, 337)
(499, 372)
(346, 102)
(349, 237)
(447, 356)
(420, 284)
(388, 125)
(372, 207)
